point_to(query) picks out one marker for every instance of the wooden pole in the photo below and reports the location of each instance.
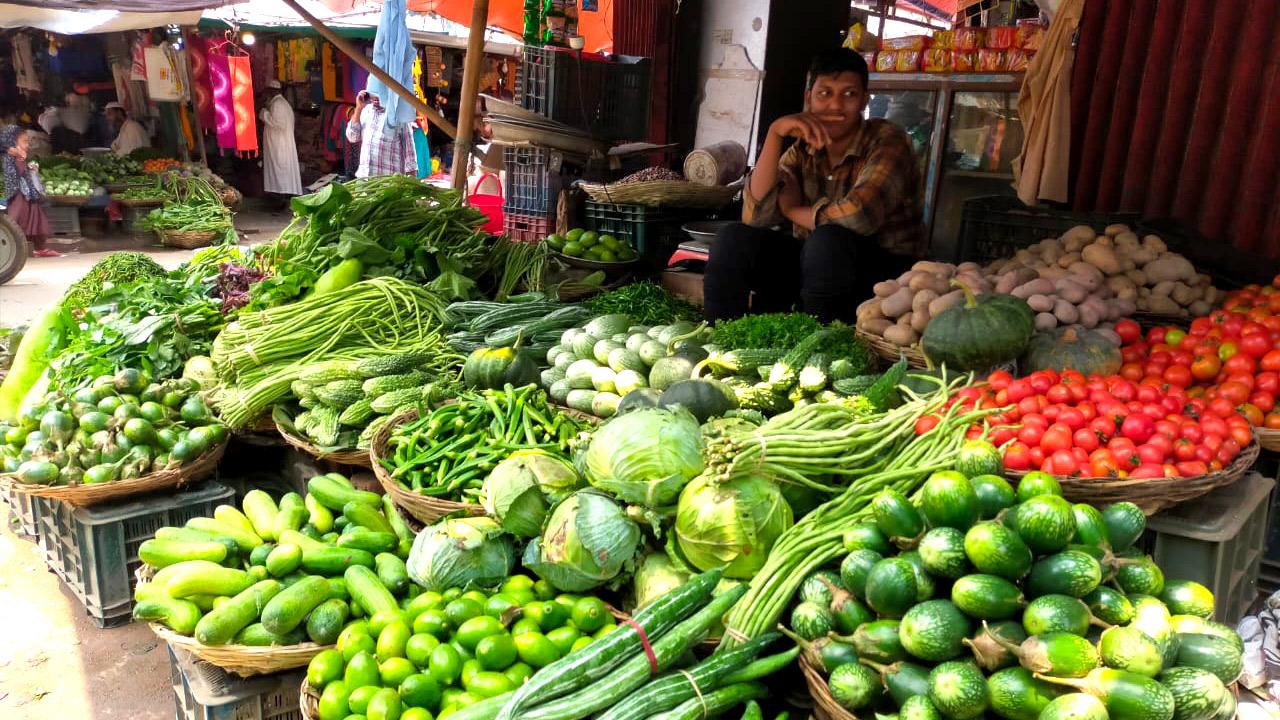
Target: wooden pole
(472, 69)
(197, 128)
(347, 49)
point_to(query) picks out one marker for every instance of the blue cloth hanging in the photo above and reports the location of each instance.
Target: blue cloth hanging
(393, 53)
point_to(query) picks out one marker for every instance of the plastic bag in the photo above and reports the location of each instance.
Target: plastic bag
(936, 60)
(908, 60)
(966, 39)
(990, 61)
(910, 42)
(1001, 38)
(962, 60)
(943, 39)
(886, 60)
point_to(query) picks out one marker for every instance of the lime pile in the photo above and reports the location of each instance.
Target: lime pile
(590, 245)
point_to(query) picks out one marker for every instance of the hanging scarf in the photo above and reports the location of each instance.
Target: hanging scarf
(201, 90)
(242, 103)
(328, 74)
(225, 119)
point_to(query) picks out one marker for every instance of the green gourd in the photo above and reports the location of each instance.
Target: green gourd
(980, 333)
(492, 368)
(1071, 347)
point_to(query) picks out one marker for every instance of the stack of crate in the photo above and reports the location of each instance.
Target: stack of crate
(534, 180)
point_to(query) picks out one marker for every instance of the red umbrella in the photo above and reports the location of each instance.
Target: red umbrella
(508, 15)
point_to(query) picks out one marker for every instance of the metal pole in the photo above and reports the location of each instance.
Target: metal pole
(364, 62)
(472, 68)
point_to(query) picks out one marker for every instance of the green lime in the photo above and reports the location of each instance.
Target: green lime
(470, 668)
(555, 241)
(354, 643)
(593, 253)
(516, 583)
(626, 254)
(610, 627)
(518, 673)
(415, 713)
(499, 604)
(564, 638)
(452, 594)
(385, 705)
(422, 603)
(324, 668)
(580, 643)
(535, 649)
(590, 614)
(418, 649)
(574, 234)
(525, 625)
(445, 664)
(610, 242)
(392, 641)
(543, 590)
(383, 618)
(360, 697)
(608, 256)
(462, 610)
(394, 670)
(589, 238)
(496, 652)
(420, 691)
(471, 632)
(490, 684)
(572, 248)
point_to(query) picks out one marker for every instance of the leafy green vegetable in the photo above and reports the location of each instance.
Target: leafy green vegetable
(463, 552)
(646, 303)
(118, 268)
(770, 330)
(883, 392)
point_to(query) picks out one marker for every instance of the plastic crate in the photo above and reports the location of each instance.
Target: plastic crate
(206, 692)
(997, 226)
(526, 228)
(63, 220)
(654, 232)
(95, 549)
(1216, 540)
(609, 99)
(533, 180)
(22, 512)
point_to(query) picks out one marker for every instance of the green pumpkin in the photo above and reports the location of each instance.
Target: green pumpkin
(1071, 347)
(704, 398)
(979, 334)
(492, 368)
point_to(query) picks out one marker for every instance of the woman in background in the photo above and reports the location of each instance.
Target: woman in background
(22, 190)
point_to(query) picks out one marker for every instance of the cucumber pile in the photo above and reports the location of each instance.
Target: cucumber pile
(972, 598)
(278, 572)
(120, 427)
(342, 404)
(441, 652)
(528, 318)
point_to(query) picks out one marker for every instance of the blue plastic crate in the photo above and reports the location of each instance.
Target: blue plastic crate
(95, 549)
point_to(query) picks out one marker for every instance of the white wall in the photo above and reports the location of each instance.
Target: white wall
(730, 83)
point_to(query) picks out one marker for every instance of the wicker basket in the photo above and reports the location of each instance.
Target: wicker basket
(140, 202)
(890, 352)
(87, 495)
(660, 193)
(68, 200)
(356, 458)
(244, 660)
(1268, 439)
(424, 508)
(309, 702)
(189, 240)
(825, 706)
(1153, 494)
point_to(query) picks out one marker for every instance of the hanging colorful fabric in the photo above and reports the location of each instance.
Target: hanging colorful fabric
(246, 124)
(328, 74)
(224, 113)
(138, 62)
(282, 60)
(201, 90)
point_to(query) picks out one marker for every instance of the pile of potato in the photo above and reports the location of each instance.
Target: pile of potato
(1140, 271)
(902, 308)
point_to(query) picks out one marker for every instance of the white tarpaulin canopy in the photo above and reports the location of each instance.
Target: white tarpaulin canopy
(77, 22)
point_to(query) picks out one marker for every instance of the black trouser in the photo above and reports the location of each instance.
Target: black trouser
(762, 271)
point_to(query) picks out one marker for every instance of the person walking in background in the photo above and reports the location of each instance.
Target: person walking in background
(280, 172)
(130, 135)
(22, 190)
(384, 150)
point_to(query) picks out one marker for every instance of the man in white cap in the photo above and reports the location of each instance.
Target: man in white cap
(280, 173)
(130, 135)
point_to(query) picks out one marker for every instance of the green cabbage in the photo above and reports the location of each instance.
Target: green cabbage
(463, 552)
(646, 456)
(656, 577)
(732, 525)
(519, 492)
(587, 542)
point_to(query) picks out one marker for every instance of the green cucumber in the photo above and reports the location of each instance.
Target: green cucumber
(1069, 572)
(220, 625)
(1212, 653)
(990, 644)
(371, 541)
(947, 499)
(395, 520)
(179, 616)
(392, 572)
(368, 591)
(1197, 694)
(713, 703)
(366, 516)
(1045, 523)
(257, 635)
(1128, 696)
(246, 541)
(318, 515)
(292, 517)
(261, 510)
(1017, 695)
(879, 641)
(1075, 706)
(163, 553)
(1128, 648)
(891, 587)
(1185, 597)
(997, 550)
(334, 561)
(902, 679)
(185, 534)
(855, 568)
(925, 585)
(1109, 605)
(1091, 529)
(1125, 523)
(290, 607)
(958, 690)
(942, 550)
(896, 517)
(335, 494)
(934, 631)
(1056, 613)
(987, 597)
(995, 495)
(201, 577)
(1152, 617)
(283, 559)
(325, 623)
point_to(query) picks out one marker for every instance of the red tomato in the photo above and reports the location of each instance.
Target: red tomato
(1272, 421)
(1213, 424)
(1102, 463)
(1171, 405)
(1225, 456)
(1204, 454)
(1019, 389)
(1133, 354)
(1030, 434)
(927, 423)
(1233, 392)
(1192, 468)
(1166, 429)
(1199, 326)
(1102, 426)
(1245, 379)
(1072, 418)
(1040, 382)
(1240, 363)
(1147, 471)
(1255, 346)
(1138, 428)
(973, 433)
(1205, 367)
(1178, 375)
(1032, 404)
(1124, 390)
(1035, 419)
(1126, 453)
(1088, 410)
(1192, 432)
(1085, 440)
(1222, 407)
(1002, 434)
(1183, 355)
(1037, 456)
(1148, 393)
(1000, 379)
(1271, 361)
(1131, 371)
(1129, 331)
(1155, 335)
(1242, 436)
(1267, 381)
(1064, 462)
(1150, 454)
(1263, 400)
(1057, 437)
(1017, 457)
(1058, 394)
(1184, 450)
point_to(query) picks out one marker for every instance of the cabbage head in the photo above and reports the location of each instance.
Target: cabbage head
(646, 456)
(732, 525)
(464, 552)
(587, 542)
(521, 489)
(656, 577)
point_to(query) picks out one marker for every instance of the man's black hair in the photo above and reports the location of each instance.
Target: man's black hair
(834, 62)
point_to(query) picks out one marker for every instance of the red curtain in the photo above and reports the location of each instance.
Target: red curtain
(1176, 113)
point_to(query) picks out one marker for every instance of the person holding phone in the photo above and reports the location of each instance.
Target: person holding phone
(384, 149)
(846, 197)
(24, 197)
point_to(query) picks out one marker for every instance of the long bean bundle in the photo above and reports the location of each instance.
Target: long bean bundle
(261, 354)
(816, 540)
(194, 207)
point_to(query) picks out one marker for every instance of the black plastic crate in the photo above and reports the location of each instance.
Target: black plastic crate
(202, 691)
(997, 226)
(22, 512)
(534, 180)
(95, 549)
(609, 99)
(654, 232)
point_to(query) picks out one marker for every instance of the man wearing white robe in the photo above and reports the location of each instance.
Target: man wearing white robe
(130, 134)
(280, 173)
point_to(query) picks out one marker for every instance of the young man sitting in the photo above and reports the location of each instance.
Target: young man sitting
(849, 188)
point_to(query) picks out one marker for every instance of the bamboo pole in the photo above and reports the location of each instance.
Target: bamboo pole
(472, 69)
(347, 49)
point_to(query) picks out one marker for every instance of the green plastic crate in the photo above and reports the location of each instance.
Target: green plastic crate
(1217, 540)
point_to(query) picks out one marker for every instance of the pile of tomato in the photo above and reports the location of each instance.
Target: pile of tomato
(1106, 426)
(1230, 358)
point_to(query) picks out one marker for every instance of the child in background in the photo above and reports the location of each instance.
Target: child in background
(23, 190)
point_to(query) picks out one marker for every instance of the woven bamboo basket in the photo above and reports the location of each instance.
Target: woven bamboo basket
(68, 200)
(140, 202)
(87, 495)
(356, 458)
(659, 193)
(188, 240)
(825, 706)
(1268, 439)
(244, 660)
(1153, 494)
(309, 701)
(890, 352)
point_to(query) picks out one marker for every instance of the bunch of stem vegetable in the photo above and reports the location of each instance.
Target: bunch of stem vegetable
(517, 266)
(261, 354)
(449, 451)
(195, 207)
(816, 539)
